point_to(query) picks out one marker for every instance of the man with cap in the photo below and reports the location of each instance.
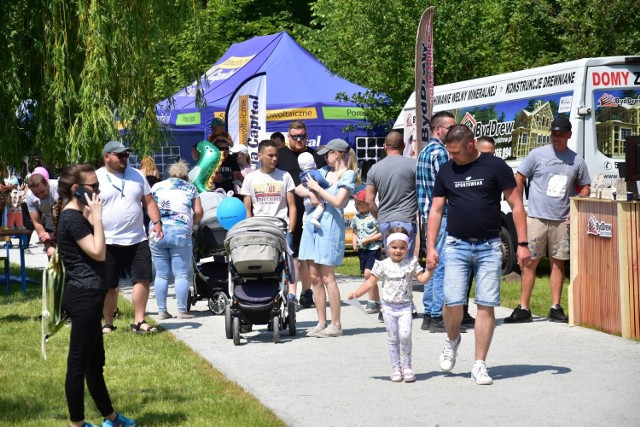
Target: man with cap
(555, 173)
(124, 191)
(288, 162)
(42, 196)
(217, 130)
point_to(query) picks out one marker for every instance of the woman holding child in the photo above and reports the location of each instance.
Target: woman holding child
(323, 247)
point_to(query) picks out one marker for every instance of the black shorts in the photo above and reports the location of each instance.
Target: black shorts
(134, 259)
(367, 258)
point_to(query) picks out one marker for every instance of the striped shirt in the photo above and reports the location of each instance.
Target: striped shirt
(430, 158)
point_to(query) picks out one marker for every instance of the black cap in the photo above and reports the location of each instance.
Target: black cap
(561, 124)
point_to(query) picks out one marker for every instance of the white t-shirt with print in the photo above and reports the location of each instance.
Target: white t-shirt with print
(395, 279)
(268, 192)
(122, 214)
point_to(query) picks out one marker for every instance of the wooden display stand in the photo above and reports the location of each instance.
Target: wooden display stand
(605, 277)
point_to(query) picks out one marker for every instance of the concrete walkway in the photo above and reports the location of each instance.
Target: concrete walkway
(545, 374)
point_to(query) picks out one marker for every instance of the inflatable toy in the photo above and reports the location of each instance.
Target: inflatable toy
(231, 211)
(202, 173)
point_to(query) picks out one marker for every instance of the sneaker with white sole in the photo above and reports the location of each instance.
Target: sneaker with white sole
(330, 331)
(316, 329)
(120, 421)
(408, 374)
(372, 307)
(449, 353)
(479, 374)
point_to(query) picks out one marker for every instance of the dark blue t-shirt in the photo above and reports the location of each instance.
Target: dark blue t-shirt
(473, 193)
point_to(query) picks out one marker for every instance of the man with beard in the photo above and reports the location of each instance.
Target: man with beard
(124, 191)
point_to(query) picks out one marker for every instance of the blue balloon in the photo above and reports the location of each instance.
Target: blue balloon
(230, 212)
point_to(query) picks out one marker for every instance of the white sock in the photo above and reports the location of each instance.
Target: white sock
(479, 362)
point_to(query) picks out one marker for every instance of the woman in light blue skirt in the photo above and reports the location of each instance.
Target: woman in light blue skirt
(323, 248)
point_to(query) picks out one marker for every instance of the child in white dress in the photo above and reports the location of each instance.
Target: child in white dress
(395, 274)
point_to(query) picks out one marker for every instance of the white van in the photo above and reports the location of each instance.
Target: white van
(601, 97)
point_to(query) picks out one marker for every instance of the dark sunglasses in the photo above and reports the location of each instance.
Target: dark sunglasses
(300, 137)
(223, 148)
(95, 186)
(124, 155)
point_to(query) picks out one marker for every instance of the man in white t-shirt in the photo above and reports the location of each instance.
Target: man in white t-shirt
(124, 191)
(269, 192)
(42, 196)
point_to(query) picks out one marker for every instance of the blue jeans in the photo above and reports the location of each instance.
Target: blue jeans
(464, 258)
(411, 228)
(172, 255)
(433, 296)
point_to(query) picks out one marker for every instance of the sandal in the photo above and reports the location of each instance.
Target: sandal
(396, 376)
(137, 328)
(408, 375)
(108, 328)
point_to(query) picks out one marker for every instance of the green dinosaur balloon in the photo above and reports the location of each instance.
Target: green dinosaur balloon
(207, 166)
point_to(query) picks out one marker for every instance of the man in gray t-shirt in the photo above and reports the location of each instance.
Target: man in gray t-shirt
(555, 173)
(393, 180)
(43, 195)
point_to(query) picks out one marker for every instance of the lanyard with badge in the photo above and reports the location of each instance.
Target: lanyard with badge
(120, 190)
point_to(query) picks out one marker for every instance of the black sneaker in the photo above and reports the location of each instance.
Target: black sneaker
(519, 315)
(306, 299)
(556, 314)
(380, 318)
(437, 325)
(426, 322)
(467, 319)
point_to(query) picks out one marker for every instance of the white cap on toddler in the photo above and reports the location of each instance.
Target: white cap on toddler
(306, 161)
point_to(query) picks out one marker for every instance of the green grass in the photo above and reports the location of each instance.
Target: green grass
(509, 289)
(155, 379)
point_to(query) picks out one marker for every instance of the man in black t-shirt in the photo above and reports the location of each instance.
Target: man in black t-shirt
(471, 185)
(229, 169)
(288, 162)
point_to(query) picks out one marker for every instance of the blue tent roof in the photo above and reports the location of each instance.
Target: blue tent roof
(296, 82)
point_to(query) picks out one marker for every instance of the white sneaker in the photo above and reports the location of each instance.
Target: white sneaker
(314, 331)
(449, 353)
(330, 331)
(315, 222)
(479, 374)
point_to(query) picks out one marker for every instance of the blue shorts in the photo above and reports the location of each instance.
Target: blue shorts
(464, 258)
(367, 257)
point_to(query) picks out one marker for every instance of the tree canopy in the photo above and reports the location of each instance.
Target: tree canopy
(75, 72)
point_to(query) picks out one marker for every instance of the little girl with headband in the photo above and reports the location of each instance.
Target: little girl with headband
(395, 274)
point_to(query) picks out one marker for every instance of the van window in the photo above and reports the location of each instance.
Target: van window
(617, 114)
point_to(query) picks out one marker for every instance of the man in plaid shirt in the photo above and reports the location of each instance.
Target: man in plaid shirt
(430, 158)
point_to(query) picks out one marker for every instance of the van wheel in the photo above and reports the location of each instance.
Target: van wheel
(509, 261)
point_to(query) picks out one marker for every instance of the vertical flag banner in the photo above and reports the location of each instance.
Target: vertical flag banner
(247, 114)
(424, 78)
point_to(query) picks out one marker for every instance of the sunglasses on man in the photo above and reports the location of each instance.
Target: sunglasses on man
(299, 137)
(122, 156)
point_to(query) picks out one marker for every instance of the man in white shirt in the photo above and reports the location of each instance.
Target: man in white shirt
(124, 191)
(42, 196)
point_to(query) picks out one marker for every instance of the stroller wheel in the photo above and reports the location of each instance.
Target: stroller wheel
(236, 331)
(276, 329)
(218, 302)
(291, 320)
(228, 322)
(190, 300)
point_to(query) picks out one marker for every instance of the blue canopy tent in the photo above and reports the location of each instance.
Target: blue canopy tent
(299, 87)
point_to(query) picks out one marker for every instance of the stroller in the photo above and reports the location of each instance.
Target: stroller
(259, 272)
(209, 258)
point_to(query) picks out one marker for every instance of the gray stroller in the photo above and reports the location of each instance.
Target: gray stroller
(260, 269)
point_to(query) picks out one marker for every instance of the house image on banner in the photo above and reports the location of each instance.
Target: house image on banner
(614, 122)
(531, 129)
(299, 87)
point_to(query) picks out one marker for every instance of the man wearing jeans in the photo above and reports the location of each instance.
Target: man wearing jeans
(432, 156)
(471, 185)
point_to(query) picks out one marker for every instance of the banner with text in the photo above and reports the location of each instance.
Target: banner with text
(247, 114)
(424, 80)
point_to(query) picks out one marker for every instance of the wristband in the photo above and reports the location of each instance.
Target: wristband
(157, 222)
(523, 244)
